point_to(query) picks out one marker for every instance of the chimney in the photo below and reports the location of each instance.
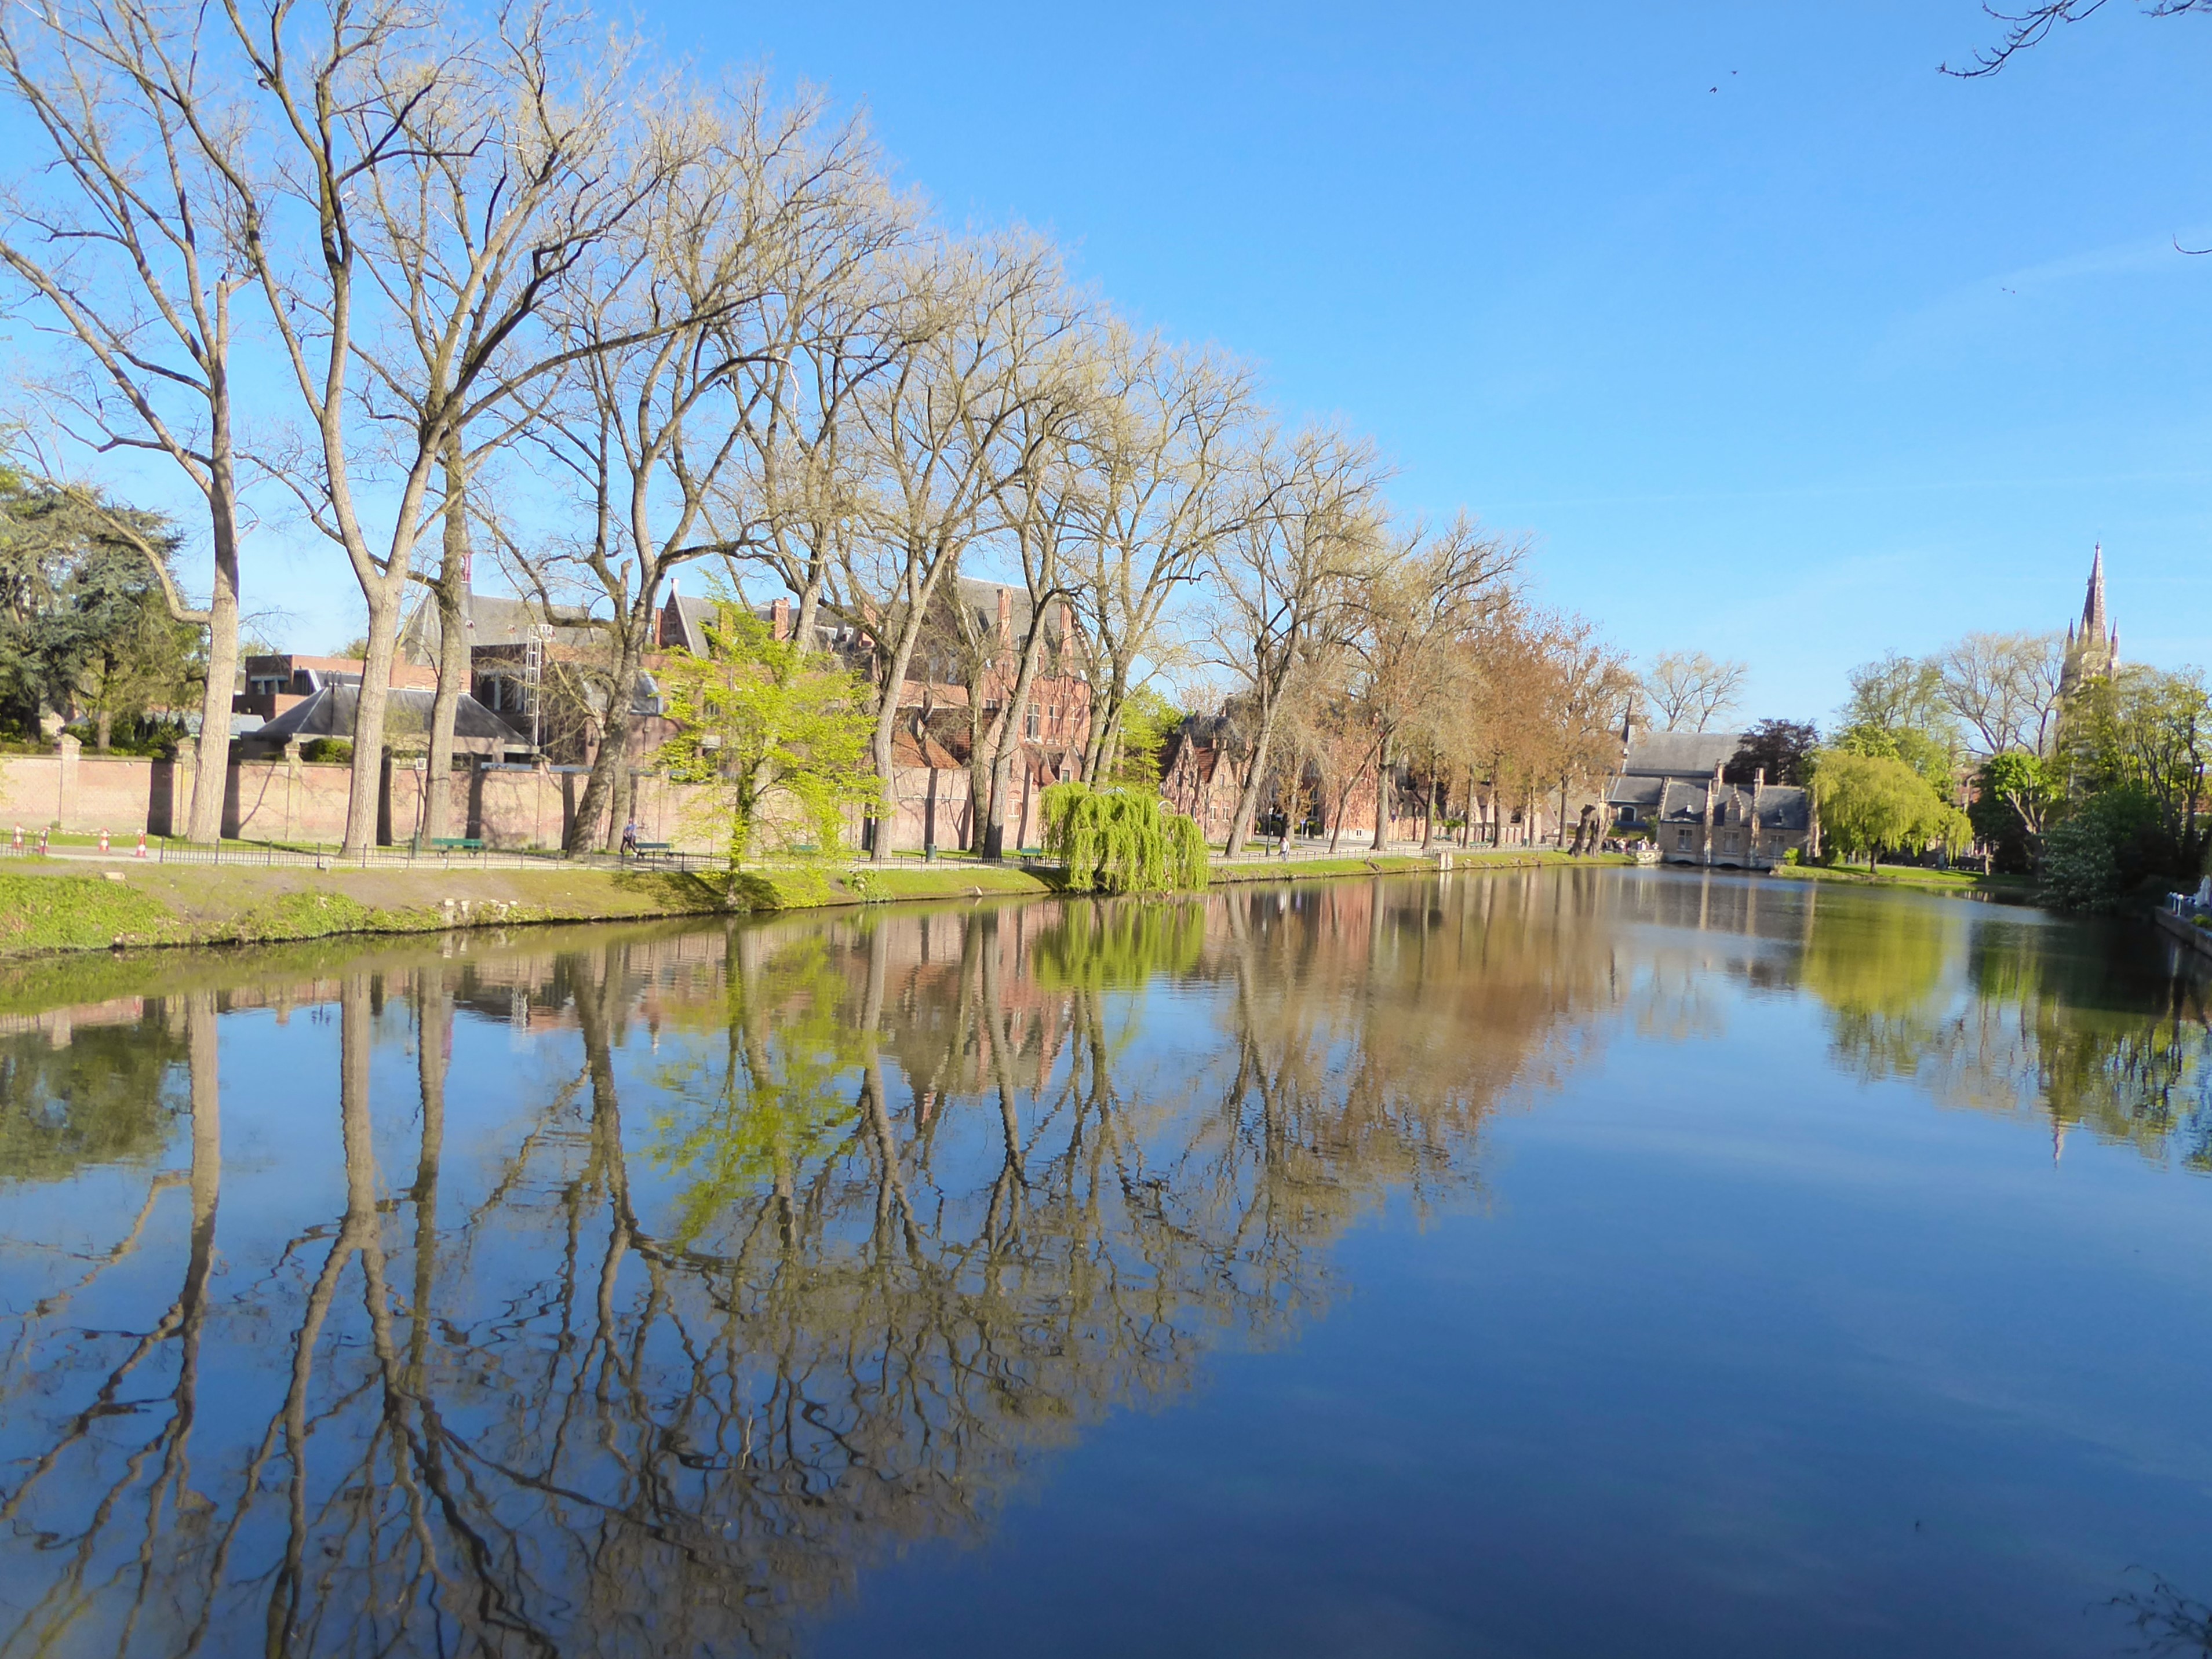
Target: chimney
(1006, 616)
(1712, 809)
(779, 617)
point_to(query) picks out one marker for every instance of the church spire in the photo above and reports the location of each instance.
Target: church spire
(2093, 645)
(2093, 607)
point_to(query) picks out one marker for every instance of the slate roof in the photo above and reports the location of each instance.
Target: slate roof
(493, 619)
(693, 611)
(982, 599)
(1680, 754)
(331, 712)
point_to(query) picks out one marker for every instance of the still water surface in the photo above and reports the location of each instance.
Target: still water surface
(1561, 1263)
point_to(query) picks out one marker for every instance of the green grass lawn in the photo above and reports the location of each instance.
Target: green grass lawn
(77, 912)
(1906, 875)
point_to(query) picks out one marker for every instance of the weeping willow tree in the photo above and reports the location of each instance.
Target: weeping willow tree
(1122, 840)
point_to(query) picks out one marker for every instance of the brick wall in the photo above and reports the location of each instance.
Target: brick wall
(509, 808)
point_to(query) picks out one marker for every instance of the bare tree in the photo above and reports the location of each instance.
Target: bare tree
(1588, 681)
(1165, 445)
(1308, 522)
(2004, 687)
(127, 246)
(1426, 596)
(835, 307)
(659, 342)
(1689, 690)
(419, 202)
(2029, 26)
(1041, 507)
(942, 434)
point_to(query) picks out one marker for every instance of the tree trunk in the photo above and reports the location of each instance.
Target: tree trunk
(1247, 798)
(1011, 719)
(454, 657)
(608, 789)
(362, 801)
(883, 748)
(210, 782)
(1429, 819)
(103, 730)
(1383, 791)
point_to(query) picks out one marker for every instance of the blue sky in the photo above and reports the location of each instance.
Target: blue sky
(1774, 341)
(1777, 342)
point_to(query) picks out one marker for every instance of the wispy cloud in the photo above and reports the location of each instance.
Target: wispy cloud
(1993, 306)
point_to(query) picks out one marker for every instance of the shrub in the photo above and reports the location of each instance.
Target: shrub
(330, 752)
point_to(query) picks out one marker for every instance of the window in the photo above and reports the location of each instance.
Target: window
(1682, 839)
(1030, 723)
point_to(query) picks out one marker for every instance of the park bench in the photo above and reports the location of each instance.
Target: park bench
(457, 843)
(645, 847)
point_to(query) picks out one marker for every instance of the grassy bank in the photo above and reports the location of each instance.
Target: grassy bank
(55, 905)
(1391, 864)
(1933, 881)
(52, 905)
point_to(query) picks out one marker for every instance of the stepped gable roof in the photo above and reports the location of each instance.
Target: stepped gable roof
(1680, 754)
(331, 712)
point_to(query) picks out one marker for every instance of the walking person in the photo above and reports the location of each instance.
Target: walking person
(629, 840)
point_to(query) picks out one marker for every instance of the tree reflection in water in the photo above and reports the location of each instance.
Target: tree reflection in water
(762, 1252)
(2001, 1011)
(899, 1203)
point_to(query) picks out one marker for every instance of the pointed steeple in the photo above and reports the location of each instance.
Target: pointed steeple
(2093, 608)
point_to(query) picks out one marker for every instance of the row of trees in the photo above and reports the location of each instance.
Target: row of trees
(433, 286)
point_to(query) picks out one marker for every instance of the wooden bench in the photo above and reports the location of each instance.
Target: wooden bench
(642, 847)
(457, 843)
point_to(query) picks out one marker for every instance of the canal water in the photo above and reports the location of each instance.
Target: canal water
(1538, 1263)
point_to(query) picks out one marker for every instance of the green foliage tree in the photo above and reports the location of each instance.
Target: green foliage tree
(1873, 804)
(780, 733)
(2104, 848)
(1122, 840)
(86, 620)
(2015, 795)
(2146, 733)
(1897, 711)
(1148, 720)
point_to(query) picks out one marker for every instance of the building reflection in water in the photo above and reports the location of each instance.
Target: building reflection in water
(632, 1291)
